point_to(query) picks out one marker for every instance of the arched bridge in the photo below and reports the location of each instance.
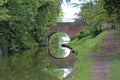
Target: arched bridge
(70, 28)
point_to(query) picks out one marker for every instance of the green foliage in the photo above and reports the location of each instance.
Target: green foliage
(26, 23)
(91, 43)
(94, 15)
(83, 33)
(3, 10)
(61, 14)
(113, 7)
(55, 45)
(28, 65)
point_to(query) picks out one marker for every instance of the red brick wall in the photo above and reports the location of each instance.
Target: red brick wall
(71, 28)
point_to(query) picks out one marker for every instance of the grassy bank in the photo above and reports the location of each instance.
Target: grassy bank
(115, 69)
(83, 62)
(90, 43)
(82, 66)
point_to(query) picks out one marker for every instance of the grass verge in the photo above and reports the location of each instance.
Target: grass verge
(115, 69)
(82, 65)
(84, 62)
(91, 43)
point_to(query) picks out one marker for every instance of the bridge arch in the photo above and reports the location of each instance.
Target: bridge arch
(70, 28)
(55, 33)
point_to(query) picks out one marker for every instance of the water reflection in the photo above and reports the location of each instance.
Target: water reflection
(57, 50)
(55, 42)
(66, 51)
(29, 64)
(67, 71)
(64, 72)
(66, 39)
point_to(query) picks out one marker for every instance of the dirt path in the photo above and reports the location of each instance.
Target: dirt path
(103, 61)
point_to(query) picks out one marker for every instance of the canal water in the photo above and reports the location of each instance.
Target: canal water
(60, 52)
(32, 65)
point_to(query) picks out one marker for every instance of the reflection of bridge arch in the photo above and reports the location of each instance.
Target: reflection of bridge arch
(59, 39)
(48, 37)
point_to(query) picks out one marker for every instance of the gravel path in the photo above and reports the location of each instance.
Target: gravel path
(103, 61)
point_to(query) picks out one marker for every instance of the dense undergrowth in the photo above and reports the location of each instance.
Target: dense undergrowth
(83, 62)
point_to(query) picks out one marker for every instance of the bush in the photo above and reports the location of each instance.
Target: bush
(82, 34)
(94, 33)
(89, 31)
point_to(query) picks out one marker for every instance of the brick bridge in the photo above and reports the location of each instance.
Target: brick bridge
(70, 28)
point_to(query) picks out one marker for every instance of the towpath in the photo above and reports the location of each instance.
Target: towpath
(103, 61)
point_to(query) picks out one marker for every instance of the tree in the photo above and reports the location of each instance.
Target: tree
(26, 23)
(113, 7)
(94, 15)
(3, 10)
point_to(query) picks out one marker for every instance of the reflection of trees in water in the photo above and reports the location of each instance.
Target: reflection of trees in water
(55, 46)
(28, 65)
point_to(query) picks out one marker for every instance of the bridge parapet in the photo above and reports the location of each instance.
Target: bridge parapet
(70, 28)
